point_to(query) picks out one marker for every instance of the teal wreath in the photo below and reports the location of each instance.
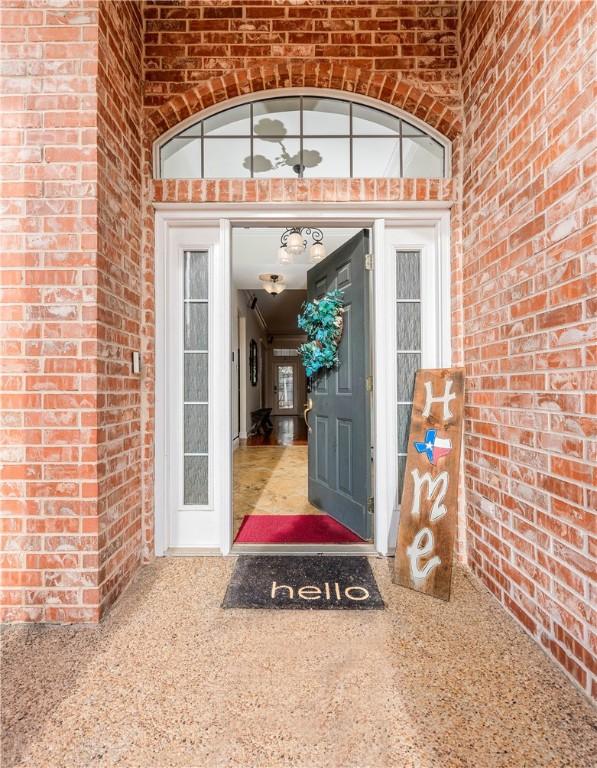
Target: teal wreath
(322, 321)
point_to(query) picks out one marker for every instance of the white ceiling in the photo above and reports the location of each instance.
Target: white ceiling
(255, 251)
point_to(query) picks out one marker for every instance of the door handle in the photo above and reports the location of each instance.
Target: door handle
(308, 407)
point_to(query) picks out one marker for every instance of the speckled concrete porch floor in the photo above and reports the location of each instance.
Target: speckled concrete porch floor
(170, 679)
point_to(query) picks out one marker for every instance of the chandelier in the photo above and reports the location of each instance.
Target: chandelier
(294, 242)
(273, 284)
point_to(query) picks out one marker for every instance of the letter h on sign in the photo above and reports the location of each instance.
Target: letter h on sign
(428, 509)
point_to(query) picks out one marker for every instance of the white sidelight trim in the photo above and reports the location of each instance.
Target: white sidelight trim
(428, 236)
(180, 227)
(220, 401)
(384, 386)
(181, 525)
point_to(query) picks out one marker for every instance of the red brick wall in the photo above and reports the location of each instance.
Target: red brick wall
(529, 316)
(120, 88)
(70, 263)
(49, 379)
(195, 40)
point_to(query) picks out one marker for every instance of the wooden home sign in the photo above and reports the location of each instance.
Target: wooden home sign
(428, 508)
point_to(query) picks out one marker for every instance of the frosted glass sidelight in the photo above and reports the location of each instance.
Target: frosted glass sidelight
(196, 480)
(401, 469)
(404, 410)
(408, 316)
(195, 428)
(408, 275)
(195, 394)
(195, 325)
(408, 337)
(195, 275)
(407, 367)
(195, 377)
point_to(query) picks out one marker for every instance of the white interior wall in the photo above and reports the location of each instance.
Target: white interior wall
(253, 330)
(235, 365)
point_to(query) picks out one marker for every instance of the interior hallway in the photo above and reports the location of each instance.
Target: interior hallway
(170, 679)
(287, 430)
(270, 473)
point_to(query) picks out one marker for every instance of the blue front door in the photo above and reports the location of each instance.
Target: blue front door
(339, 441)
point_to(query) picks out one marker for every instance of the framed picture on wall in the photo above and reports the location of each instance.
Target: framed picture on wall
(253, 363)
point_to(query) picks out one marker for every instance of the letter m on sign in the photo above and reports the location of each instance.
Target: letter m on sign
(429, 504)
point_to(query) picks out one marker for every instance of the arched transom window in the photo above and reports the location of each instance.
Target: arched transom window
(303, 137)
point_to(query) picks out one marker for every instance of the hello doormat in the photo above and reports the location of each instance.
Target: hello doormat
(315, 582)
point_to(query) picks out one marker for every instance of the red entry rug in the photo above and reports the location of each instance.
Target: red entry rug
(294, 529)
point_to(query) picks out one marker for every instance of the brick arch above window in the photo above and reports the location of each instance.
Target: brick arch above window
(395, 91)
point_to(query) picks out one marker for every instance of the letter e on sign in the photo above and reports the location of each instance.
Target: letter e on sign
(309, 593)
(429, 504)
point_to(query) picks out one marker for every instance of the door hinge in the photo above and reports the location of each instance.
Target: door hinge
(371, 505)
(369, 261)
(369, 383)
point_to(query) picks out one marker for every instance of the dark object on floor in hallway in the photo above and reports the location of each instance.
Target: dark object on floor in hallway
(311, 582)
(294, 529)
(261, 421)
(287, 430)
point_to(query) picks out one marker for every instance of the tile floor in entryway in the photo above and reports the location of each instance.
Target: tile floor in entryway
(170, 679)
(270, 480)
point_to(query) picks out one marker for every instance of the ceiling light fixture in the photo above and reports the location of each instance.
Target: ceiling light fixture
(294, 243)
(283, 256)
(273, 284)
(317, 252)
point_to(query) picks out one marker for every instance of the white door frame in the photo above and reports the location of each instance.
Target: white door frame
(382, 218)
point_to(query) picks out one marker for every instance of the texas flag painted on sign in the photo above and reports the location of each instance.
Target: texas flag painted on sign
(434, 447)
